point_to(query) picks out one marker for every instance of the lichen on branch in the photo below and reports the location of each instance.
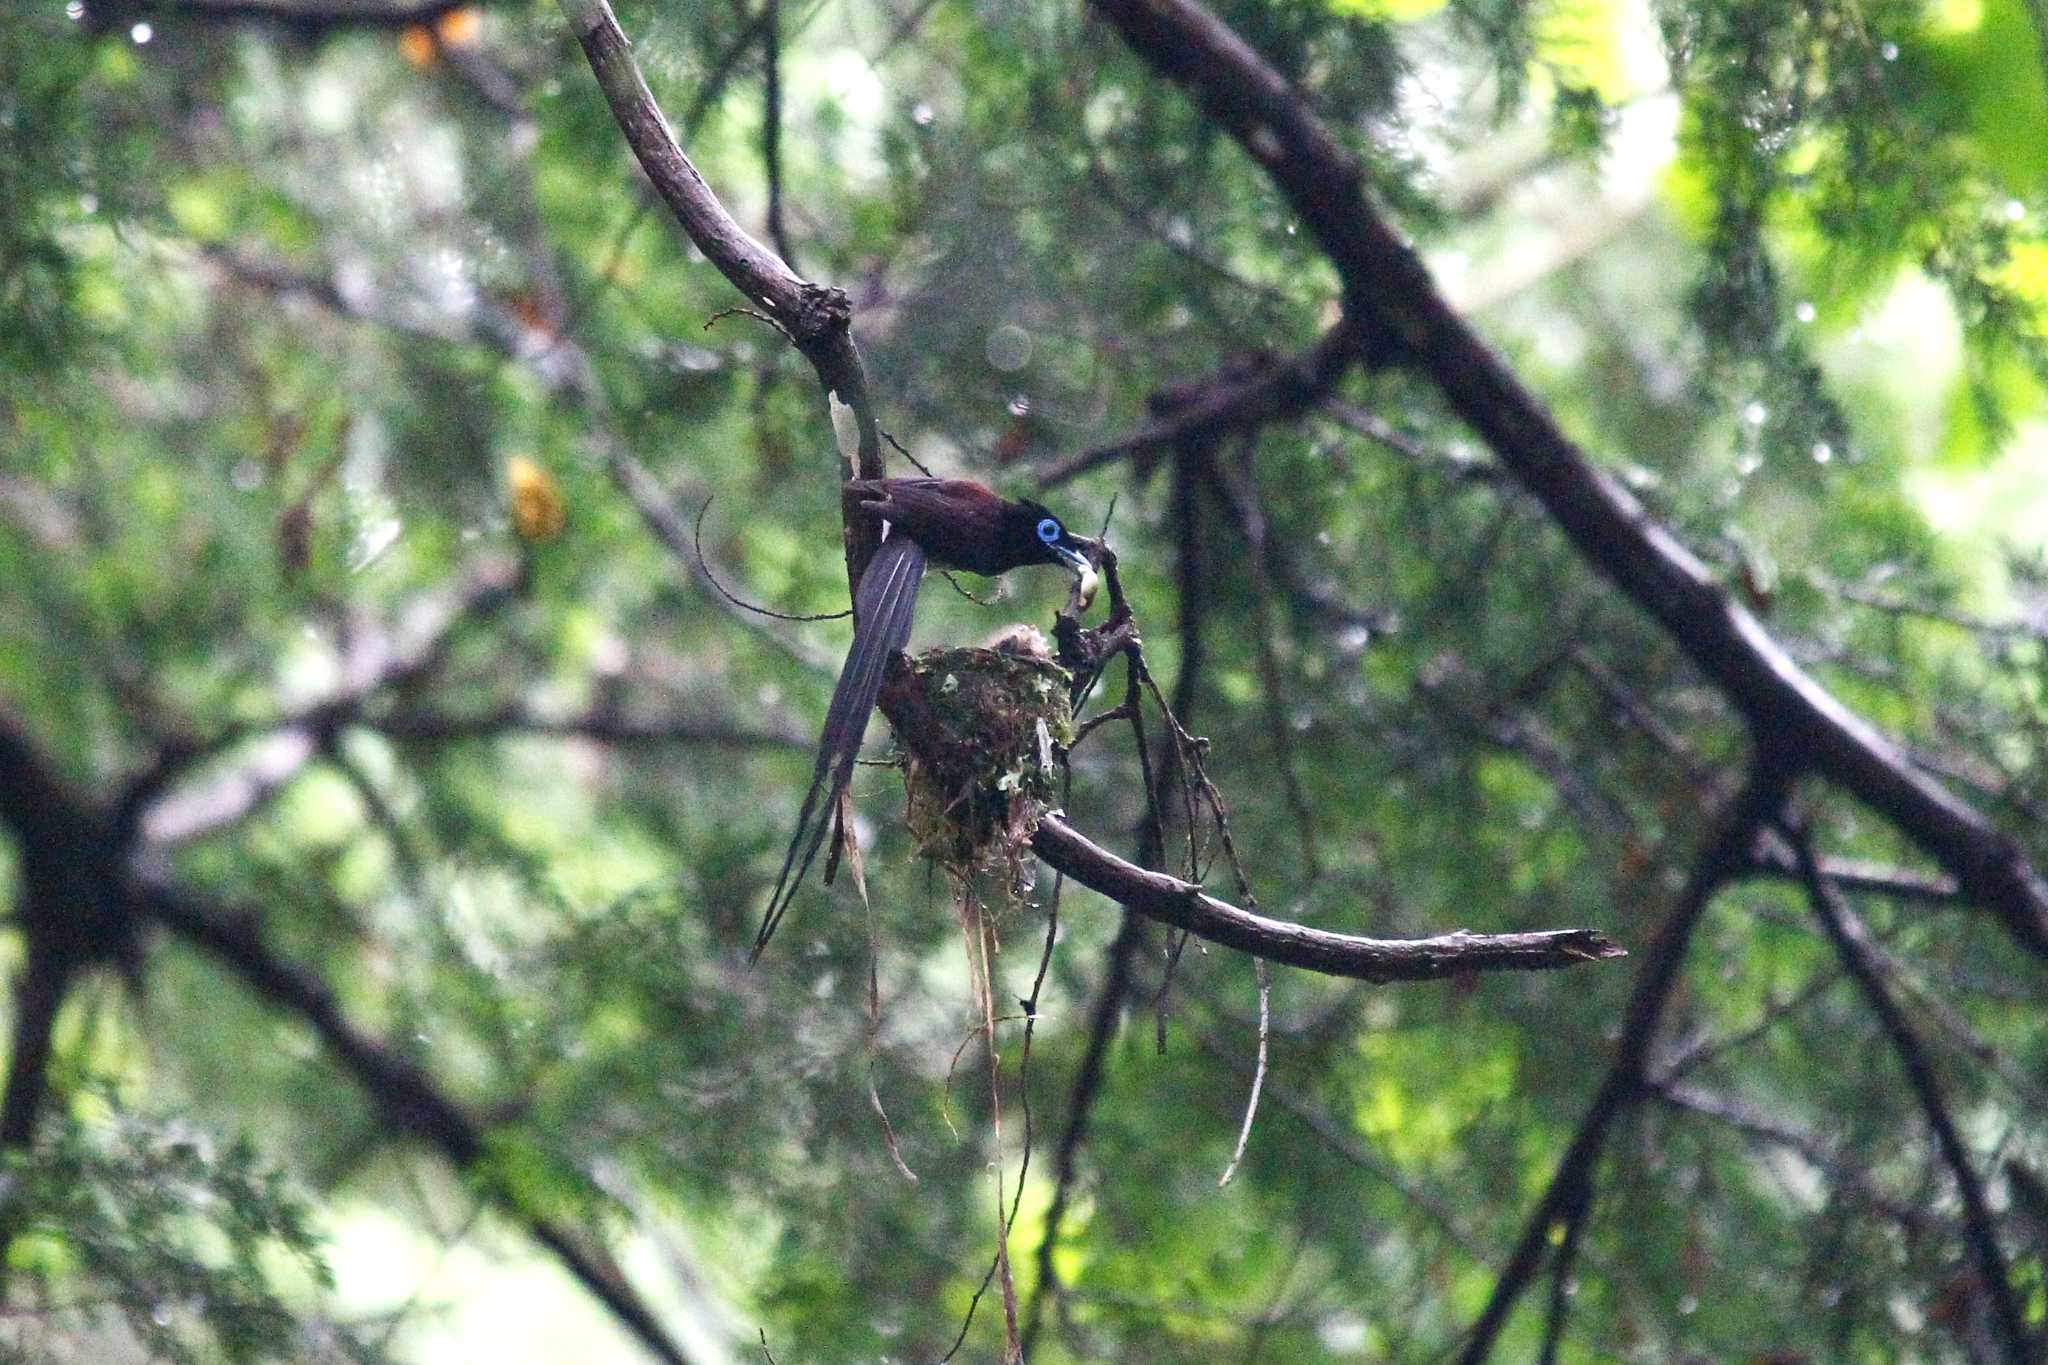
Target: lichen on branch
(981, 732)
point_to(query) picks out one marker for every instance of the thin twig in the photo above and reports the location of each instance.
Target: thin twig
(981, 968)
(1030, 1004)
(1272, 685)
(697, 543)
(771, 126)
(904, 451)
(875, 1034)
(722, 314)
(1562, 1290)
(1251, 1104)
(1102, 1020)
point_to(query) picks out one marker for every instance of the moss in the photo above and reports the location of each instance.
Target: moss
(980, 730)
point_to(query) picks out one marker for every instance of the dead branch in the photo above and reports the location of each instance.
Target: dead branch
(1186, 906)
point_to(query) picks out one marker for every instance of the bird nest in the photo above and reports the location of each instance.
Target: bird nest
(980, 731)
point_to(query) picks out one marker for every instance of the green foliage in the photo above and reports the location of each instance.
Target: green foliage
(280, 309)
(131, 1234)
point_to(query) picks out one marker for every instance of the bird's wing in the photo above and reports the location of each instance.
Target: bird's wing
(915, 504)
(882, 609)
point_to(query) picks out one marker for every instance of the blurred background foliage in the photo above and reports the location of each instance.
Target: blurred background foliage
(330, 353)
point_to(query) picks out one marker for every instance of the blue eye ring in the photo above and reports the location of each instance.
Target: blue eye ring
(1049, 530)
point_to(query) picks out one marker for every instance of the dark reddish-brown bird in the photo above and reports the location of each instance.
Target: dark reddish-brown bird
(956, 524)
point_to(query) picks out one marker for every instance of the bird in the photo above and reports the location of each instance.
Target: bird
(956, 524)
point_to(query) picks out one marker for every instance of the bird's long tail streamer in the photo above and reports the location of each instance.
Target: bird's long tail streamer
(882, 610)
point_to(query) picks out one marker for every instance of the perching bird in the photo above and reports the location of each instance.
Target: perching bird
(957, 524)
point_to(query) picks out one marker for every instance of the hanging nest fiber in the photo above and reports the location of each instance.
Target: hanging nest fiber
(980, 731)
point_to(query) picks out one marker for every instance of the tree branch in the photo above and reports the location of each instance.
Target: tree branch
(68, 912)
(86, 896)
(402, 1091)
(1229, 401)
(1860, 956)
(39, 993)
(1771, 858)
(1622, 1088)
(379, 662)
(771, 125)
(1739, 1117)
(816, 318)
(1279, 563)
(1389, 291)
(1186, 906)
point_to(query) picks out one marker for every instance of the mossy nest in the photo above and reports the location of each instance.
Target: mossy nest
(980, 731)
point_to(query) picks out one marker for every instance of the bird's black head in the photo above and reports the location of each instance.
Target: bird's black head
(1035, 535)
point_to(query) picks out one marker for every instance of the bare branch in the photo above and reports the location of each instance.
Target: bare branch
(1186, 906)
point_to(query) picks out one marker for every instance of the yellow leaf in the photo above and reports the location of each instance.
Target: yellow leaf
(539, 511)
(198, 210)
(2026, 273)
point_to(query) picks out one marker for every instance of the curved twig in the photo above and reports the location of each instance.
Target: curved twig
(704, 567)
